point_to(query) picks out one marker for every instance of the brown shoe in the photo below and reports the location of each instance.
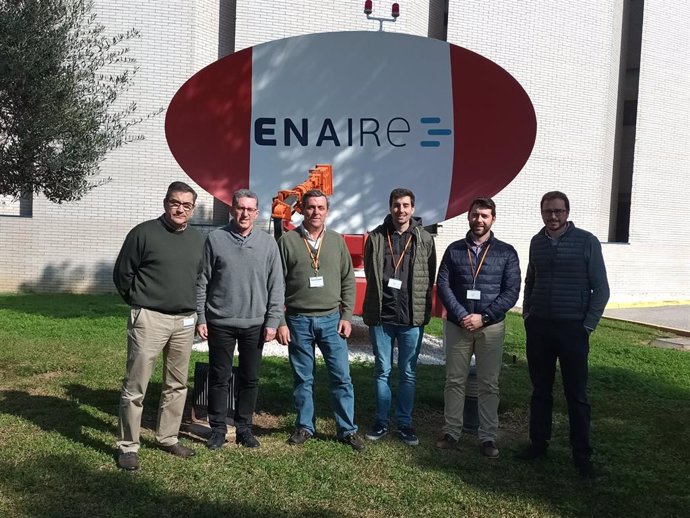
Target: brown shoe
(299, 437)
(128, 461)
(488, 449)
(353, 441)
(178, 450)
(446, 442)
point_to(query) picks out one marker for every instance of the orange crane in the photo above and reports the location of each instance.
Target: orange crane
(288, 201)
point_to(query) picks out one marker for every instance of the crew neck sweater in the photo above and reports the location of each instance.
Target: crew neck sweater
(240, 282)
(157, 267)
(335, 266)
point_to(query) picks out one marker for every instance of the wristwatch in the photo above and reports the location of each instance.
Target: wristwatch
(485, 319)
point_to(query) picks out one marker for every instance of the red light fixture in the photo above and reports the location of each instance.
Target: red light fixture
(395, 10)
(368, 7)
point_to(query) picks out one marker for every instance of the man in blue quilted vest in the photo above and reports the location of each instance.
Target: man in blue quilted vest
(478, 282)
(566, 291)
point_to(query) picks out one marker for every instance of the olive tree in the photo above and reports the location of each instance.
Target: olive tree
(60, 77)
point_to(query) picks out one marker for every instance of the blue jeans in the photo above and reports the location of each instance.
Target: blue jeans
(409, 343)
(305, 333)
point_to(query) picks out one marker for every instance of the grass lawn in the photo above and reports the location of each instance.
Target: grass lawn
(62, 358)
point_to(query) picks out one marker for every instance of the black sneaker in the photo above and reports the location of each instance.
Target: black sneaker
(353, 441)
(216, 441)
(532, 452)
(299, 437)
(128, 461)
(379, 431)
(407, 436)
(247, 440)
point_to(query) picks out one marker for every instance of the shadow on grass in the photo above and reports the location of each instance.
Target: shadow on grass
(54, 414)
(32, 488)
(641, 438)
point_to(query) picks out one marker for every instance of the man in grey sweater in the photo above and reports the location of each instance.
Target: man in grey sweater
(240, 297)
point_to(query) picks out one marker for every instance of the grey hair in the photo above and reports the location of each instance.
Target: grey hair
(243, 193)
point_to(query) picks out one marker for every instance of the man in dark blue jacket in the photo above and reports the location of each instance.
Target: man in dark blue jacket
(566, 291)
(478, 282)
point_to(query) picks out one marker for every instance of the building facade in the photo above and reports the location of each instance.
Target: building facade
(608, 81)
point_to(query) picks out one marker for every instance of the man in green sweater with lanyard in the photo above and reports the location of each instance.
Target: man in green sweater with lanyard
(319, 297)
(155, 273)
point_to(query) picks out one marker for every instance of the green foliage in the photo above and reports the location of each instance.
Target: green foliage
(62, 358)
(60, 77)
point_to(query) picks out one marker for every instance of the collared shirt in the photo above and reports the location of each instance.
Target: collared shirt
(313, 243)
(555, 240)
(235, 233)
(476, 247)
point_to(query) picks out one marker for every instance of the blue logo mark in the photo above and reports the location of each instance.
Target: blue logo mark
(433, 132)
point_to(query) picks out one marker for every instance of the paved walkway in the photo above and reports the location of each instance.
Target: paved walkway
(672, 317)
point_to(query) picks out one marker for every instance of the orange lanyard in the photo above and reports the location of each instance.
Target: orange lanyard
(396, 264)
(475, 273)
(314, 257)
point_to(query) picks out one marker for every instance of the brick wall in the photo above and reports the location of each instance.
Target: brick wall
(565, 55)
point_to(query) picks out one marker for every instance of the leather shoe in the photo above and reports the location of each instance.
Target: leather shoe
(532, 452)
(353, 441)
(128, 461)
(299, 437)
(488, 449)
(178, 450)
(446, 442)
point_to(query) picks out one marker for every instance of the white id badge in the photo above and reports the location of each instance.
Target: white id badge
(188, 322)
(316, 282)
(395, 284)
(474, 295)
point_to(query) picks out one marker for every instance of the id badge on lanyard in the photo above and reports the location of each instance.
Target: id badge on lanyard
(474, 294)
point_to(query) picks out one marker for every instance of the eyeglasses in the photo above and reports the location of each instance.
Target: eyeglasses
(175, 204)
(248, 210)
(555, 212)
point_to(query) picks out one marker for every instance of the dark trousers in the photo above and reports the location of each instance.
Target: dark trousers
(567, 341)
(221, 348)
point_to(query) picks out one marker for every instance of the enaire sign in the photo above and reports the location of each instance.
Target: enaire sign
(386, 110)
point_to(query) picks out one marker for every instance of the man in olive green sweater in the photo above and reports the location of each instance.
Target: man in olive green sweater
(319, 297)
(155, 273)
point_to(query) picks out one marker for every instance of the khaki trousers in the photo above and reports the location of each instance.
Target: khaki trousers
(487, 346)
(149, 333)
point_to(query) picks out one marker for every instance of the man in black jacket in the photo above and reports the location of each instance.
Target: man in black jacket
(566, 291)
(478, 282)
